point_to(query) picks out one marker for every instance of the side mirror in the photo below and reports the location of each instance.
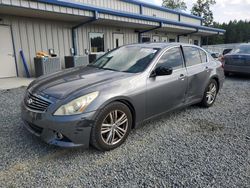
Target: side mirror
(162, 71)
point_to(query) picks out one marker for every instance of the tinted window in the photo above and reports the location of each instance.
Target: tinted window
(132, 59)
(172, 58)
(192, 56)
(203, 56)
(243, 49)
(171, 40)
(96, 42)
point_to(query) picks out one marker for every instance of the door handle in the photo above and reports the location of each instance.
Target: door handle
(207, 68)
(182, 77)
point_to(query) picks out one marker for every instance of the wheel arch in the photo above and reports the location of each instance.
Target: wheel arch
(128, 103)
(217, 80)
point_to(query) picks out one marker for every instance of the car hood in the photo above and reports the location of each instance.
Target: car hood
(64, 83)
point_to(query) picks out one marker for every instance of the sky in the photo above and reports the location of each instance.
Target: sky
(224, 10)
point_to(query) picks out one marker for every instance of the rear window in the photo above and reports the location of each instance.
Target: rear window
(243, 49)
(192, 56)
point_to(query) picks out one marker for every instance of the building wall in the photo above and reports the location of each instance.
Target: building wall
(133, 8)
(46, 7)
(33, 35)
(113, 4)
(190, 20)
(83, 36)
(160, 14)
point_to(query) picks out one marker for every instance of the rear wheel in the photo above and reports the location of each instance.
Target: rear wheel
(210, 94)
(112, 127)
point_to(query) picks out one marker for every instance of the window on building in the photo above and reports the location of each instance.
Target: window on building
(203, 56)
(196, 42)
(145, 39)
(192, 56)
(96, 42)
(172, 59)
(171, 40)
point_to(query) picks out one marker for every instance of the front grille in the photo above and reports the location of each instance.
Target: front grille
(36, 103)
(35, 128)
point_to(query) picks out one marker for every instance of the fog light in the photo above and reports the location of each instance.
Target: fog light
(59, 136)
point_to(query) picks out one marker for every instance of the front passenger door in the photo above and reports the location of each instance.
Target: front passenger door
(167, 92)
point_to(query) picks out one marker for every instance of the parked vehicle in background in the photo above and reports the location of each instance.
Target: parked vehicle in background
(238, 60)
(101, 103)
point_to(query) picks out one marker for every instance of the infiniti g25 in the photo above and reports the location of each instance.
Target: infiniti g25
(101, 103)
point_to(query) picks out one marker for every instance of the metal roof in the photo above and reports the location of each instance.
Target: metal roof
(149, 5)
(66, 3)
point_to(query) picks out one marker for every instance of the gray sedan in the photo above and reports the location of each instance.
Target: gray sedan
(101, 103)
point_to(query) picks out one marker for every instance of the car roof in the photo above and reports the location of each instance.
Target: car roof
(160, 45)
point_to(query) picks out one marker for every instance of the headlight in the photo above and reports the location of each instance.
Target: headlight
(77, 106)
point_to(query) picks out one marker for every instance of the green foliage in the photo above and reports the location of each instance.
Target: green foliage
(236, 32)
(202, 8)
(175, 4)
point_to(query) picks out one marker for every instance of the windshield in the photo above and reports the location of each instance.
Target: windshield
(244, 49)
(132, 59)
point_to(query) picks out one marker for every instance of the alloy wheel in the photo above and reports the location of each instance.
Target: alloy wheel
(211, 93)
(114, 127)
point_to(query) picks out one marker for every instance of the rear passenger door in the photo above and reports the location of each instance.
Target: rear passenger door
(197, 72)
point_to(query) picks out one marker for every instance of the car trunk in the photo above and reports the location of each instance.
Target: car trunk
(237, 59)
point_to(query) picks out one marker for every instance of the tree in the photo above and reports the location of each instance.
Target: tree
(175, 4)
(236, 32)
(202, 8)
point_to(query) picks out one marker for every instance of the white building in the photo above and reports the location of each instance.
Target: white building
(94, 25)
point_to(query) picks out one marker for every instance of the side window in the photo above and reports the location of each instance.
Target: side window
(203, 56)
(192, 56)
(172, 58)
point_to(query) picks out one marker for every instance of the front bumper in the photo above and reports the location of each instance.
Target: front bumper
(74, 129)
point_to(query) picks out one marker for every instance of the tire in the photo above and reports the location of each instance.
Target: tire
(209, 94)
(227, 73)
(106, 134)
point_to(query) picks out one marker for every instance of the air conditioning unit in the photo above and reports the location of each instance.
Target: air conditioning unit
(76, 61)
(46, 65)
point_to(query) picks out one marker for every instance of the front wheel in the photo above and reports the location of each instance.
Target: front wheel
(210, 94)
(112, 127)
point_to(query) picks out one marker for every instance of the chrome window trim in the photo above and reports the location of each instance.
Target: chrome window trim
(208, 60)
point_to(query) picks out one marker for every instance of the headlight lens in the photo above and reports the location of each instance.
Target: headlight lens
(77, 106)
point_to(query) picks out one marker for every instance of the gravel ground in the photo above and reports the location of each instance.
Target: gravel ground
(193, 147)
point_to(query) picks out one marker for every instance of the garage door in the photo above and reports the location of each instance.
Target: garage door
(7, 58)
